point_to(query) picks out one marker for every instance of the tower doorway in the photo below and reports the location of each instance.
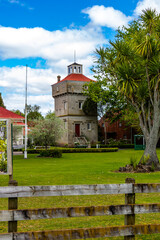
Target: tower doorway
(77, 130)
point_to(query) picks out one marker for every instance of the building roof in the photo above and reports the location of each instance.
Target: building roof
(4, 113)
(19, 123)
(76, 77)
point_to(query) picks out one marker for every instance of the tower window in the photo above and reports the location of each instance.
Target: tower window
(79, 69)
(75, 69)
(80, 105)
(88, 126)
(65, 105)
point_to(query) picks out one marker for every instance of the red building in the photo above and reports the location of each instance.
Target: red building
(118, 130)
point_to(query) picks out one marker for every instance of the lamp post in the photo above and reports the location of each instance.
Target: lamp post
(26, 130)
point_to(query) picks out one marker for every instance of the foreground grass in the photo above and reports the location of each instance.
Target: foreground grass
(75, 168)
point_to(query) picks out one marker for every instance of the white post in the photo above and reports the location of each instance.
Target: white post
(25, 152)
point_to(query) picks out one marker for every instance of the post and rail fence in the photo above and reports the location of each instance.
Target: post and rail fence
(129, 210)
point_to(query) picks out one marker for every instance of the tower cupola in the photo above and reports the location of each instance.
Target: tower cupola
(75, 68)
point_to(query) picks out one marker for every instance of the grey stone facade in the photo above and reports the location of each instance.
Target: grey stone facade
(68, 106)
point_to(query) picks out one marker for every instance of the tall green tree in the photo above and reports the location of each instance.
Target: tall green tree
(1, 101)
(131, 63)
(33, 112)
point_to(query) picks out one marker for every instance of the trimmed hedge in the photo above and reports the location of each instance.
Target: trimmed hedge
(74, 150)
(114, 146)
(55, 153)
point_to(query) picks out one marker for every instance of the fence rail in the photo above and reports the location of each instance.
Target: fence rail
(47, 213)
(129, 209)
(84, 233)
(69, 190)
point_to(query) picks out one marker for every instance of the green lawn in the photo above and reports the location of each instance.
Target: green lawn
(79, 168)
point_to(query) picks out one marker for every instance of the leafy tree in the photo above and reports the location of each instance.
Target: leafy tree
(33, 112)
(1, 102)
(18, 112)
(50, 115)
(131, 64)
(90, 107)
(47, 131)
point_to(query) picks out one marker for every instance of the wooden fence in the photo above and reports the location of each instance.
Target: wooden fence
(129, 209)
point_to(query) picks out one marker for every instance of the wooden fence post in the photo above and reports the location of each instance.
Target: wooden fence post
(12, 204)
(130, 218)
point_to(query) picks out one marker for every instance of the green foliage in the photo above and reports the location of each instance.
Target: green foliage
(3, 156)
(145, 159)
(76, 150)
(33, 113)
(1, 102)
(117, 145)
(133, 162)
(47, 131)
(152, 167)
(56, 153)
(90, 107)
(3, 165)
(131, 65)
(50, 115)
(18, 112)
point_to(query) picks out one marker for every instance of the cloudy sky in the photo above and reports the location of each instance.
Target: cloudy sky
(44, 35)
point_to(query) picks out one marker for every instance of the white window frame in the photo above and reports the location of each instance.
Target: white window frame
(65, 105)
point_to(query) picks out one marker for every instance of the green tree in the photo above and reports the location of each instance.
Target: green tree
(131, 63)
(33, 112)
(1, 101)
(50, 115)
(90, 107)
(18, 112)
(47, 131)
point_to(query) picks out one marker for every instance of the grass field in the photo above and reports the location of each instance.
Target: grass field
(76, 168)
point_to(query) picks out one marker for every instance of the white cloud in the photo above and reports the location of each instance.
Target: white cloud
(107, 16)
(22, 4)
(141, 5)
(12, 85)
(17, 101)
(56, 48)
(52, 46)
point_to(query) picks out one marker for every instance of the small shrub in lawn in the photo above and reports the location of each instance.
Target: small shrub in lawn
(133, 162)
(3, 165)
(56, 153)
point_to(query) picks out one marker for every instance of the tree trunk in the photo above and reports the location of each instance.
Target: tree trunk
(150, 155)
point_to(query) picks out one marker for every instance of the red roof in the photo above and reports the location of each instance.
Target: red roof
(19, 123)
(4, 113)
(76, 77)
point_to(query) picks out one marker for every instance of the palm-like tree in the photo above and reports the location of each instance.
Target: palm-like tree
(132, 63)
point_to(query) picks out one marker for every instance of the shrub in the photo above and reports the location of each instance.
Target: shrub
(3, 165)
(133, 162)
(114, 145)
(71, 150)
(56, 153)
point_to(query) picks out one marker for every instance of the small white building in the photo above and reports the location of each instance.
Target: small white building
(18, 123)
(69, 100)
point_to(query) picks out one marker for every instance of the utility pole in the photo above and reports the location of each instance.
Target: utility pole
(26, 130)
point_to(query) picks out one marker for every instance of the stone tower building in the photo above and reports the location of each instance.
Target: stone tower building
(69, 100)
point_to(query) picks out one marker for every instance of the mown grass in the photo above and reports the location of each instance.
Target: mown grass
(76, 168)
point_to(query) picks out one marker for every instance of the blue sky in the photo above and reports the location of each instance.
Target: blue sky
(45, 34)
